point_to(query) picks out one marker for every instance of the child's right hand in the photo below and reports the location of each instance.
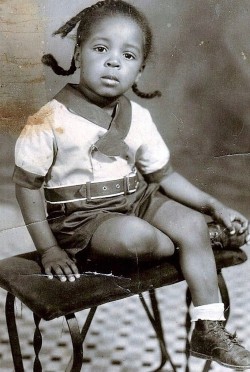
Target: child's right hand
(56, 262)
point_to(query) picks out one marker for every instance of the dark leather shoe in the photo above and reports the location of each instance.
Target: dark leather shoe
(210, 340)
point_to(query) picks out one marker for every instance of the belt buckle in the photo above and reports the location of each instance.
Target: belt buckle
(127, 185)
(82, 191)
(85, 191)
(88, 191)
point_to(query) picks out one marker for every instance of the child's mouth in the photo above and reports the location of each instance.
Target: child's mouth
(110, 80)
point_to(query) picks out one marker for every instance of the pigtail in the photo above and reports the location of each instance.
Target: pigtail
(140, 94)
(71, 24)
(50, 61)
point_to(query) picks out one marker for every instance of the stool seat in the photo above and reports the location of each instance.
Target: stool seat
(22, 276)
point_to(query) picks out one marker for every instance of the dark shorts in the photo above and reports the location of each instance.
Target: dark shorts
(74, 223)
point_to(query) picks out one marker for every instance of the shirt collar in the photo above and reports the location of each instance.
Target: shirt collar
(71, 97)
(112, 142)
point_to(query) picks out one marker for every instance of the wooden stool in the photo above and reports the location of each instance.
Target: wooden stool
(22, 277)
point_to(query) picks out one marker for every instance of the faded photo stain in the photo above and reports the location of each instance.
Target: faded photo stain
(22, 80)
(59, 130)
(41, 117)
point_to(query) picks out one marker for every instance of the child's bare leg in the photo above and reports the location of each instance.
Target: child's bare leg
(188, 230)
(129, 237)
(210, 340)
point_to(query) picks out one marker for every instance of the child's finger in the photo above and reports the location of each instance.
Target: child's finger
(48, 272)
(248, 239)
(74, 269)
(229, 225)
(242, 221)
(60, 274)
(66, 268)
(244, 227)
(232, 231)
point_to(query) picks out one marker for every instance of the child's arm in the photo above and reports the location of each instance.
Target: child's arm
(181, 190)
(54, 259)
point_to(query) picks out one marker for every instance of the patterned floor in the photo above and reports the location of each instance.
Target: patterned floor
(121, 338)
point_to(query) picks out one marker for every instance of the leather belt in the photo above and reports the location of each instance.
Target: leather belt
(92, 190)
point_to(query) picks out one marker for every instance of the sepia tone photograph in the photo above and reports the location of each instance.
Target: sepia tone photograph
(124, 185)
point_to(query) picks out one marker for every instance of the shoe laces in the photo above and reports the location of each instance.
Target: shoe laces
(225, 336)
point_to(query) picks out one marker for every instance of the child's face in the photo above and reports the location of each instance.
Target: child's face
(111, 58)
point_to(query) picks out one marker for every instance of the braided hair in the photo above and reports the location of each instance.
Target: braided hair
(86, 19)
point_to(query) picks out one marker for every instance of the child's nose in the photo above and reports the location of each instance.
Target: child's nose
(113, 61)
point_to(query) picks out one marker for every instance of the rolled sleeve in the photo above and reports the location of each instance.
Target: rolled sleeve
(34, 151)
(27, 179)
(157, 176)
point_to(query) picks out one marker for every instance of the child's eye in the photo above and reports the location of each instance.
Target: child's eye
(100, 49)
(129, 56)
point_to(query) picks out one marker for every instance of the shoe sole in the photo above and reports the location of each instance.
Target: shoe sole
(207, 357)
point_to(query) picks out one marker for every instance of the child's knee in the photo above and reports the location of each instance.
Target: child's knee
(196, 222)
(194, 226)
(131, 237)
(164, 247)
(138, 237)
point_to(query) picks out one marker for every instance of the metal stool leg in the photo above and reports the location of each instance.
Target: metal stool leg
(88, 322)
(188, 327)
(37, 342)
(224, 295)
(156, 323)
(76, 342)
(78, 338)
(13, 334)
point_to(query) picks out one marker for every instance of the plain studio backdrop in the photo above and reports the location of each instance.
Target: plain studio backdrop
(200, 62)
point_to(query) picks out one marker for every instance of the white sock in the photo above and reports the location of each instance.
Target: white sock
(208, 312)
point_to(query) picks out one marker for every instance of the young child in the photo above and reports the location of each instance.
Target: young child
(108, 182)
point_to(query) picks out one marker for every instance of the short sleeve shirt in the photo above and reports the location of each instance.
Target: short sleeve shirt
(55, 149)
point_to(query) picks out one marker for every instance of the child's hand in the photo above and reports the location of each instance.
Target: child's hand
(57, 262)
(234, 221)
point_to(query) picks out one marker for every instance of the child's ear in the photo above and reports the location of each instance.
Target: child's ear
(77, 54)
(139, 74)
